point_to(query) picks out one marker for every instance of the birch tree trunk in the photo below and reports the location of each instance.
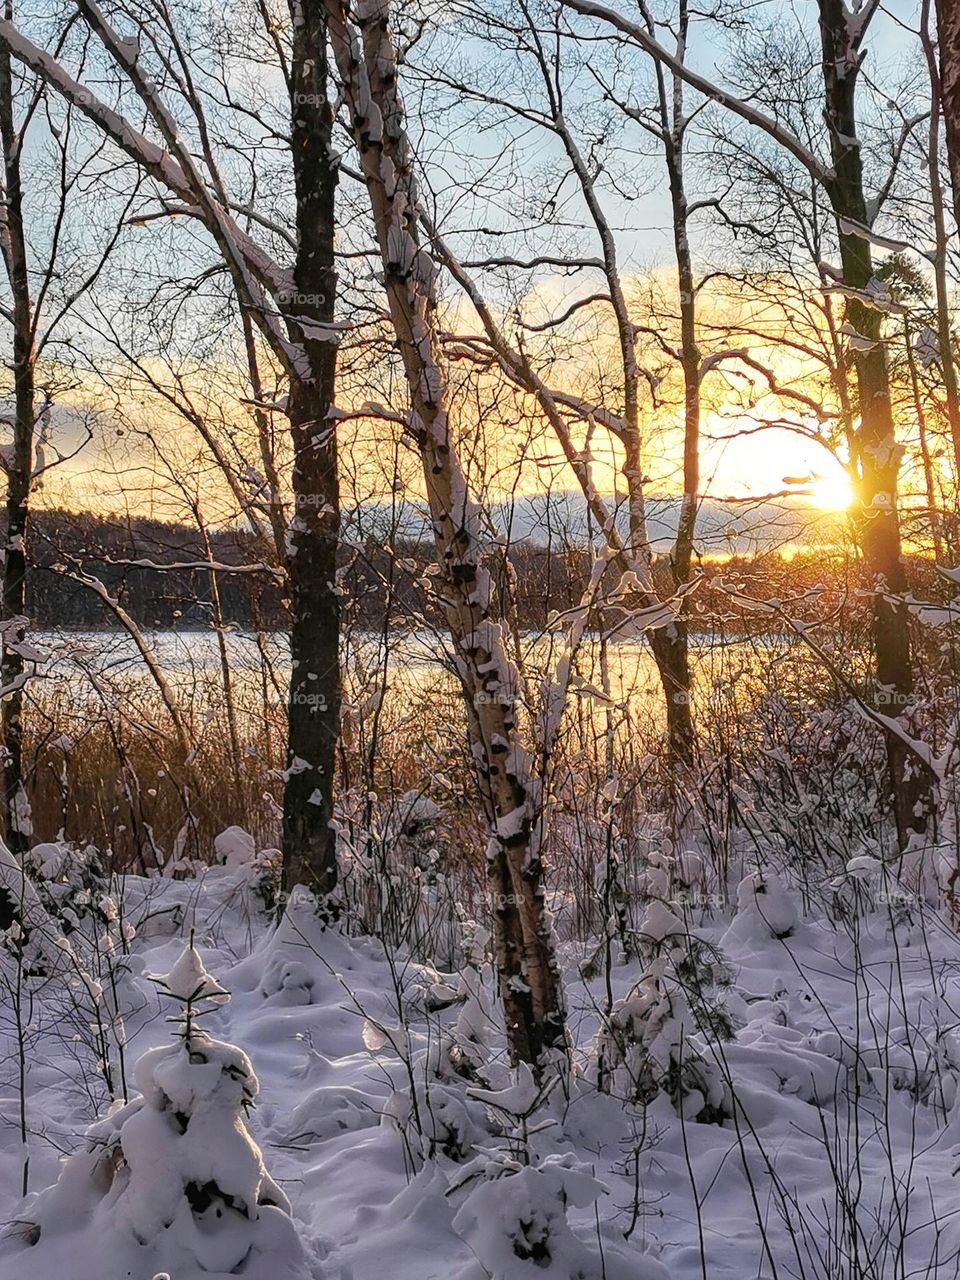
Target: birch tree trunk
(14, 807)
(530, 983)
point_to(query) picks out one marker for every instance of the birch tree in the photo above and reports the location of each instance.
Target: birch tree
(548, 69)
(511, 794)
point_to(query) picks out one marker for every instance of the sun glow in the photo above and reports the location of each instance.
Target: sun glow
(831, 493)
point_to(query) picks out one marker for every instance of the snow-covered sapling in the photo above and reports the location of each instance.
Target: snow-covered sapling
(649, 1046)
(765, 910)
(653, 1039)
(477, 1022)
(173, 1180)
(432, 1106)
(515, 1199)
(515, 1217)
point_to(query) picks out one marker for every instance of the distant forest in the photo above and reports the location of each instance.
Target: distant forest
(68, 546)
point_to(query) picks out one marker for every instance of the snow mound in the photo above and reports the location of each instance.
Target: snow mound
(235, 847)
(765, 911)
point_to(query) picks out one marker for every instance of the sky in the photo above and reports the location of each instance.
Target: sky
(741, 466)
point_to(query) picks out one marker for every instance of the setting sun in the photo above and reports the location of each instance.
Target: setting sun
(831, 493)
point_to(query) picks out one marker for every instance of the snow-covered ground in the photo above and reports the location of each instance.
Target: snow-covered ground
(821, 1139)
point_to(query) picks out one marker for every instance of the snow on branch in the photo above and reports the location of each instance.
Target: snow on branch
(258, 274)
(211, 566)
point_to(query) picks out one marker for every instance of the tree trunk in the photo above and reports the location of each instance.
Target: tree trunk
(878, 454)
(309, 849)
(530, 984)
(926, 458)
(14, 806)
(309, 361)
(948, 32)
(948, 367)
(674, 641)
(670, 647)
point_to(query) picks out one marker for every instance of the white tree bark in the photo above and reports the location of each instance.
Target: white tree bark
(511, 793)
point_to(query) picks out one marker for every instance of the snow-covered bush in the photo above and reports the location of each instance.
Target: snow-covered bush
(917, 1058)
(813, 794)
(265, 878)
(431, 1104)
(433, 1109)
(514, 1197)
(648, 1045)
(234, 848)
(70, 881)
(654, 1040)
(31, 933)
(260, 869)
(514, 1218)
(870, 890)
(100, 991)
(392, 876)
(414, 828)
(66, 949)
(765, 910)
(171, 1180)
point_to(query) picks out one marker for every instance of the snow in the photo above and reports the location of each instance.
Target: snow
(515, 1222)
(370, 1092)
(171, 1180)
(764, 910)
(235, 847)
(189, 982)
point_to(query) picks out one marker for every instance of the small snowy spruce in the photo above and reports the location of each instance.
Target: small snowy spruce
(172, 1181)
